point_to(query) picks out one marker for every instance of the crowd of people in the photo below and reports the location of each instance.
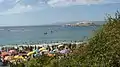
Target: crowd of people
(25, 53)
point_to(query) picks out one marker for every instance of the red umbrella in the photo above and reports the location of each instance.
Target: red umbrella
(4, 54)
(13, 51)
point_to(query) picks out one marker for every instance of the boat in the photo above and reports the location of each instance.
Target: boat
(45, 33)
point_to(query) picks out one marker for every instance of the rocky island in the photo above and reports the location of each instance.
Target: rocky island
(82, 24)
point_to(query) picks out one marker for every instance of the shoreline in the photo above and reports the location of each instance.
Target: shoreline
(43, 44)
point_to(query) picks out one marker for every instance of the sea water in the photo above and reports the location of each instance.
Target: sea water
(44, 34)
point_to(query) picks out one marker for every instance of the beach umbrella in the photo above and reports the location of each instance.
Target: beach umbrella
(45, 51)
(18, 57)
(60, 45)
(8, 58)
(51, 52)
(13, 51)
(36, 55)
(22, 54)
(12, 61)
(42, 49)
(51, 55)
(30, 53)
(4, 54)
(64, 51)
(36, 50)
(56, 50)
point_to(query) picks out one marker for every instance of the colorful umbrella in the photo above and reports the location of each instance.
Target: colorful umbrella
(60, 45)
(22, 54)
(36, 50)
(56, 50)
(8, 58)
(18, 57)
(45, 51)
(51, 52)
(51, 55)
(42, 49)
(4, 54)
(64, 51)
(13, 51)
(30, 53)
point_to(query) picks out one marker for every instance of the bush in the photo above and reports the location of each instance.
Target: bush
(103, 49)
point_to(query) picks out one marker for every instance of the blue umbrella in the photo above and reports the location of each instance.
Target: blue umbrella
(51, 52)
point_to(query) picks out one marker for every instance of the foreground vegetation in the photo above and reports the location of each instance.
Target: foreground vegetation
(103, 50)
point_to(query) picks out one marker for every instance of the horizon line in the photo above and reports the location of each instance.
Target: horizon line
(54, 24)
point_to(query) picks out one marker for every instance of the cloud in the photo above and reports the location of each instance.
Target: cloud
(21, 6)
(59, 3)
(1, 1)
(17, 9)
(55, 3)
(17, 1)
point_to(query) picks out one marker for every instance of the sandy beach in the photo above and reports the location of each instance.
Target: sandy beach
(25, 51)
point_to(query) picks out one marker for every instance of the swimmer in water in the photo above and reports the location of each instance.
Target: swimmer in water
(51, 31)
(45, 33)
(8, 30)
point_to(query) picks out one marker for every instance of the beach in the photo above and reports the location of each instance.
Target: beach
(24, 52)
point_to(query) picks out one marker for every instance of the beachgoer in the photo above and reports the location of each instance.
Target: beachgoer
(51, 31)
(45, 33)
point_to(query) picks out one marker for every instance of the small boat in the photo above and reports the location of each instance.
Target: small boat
(45, 33)
(51, 31)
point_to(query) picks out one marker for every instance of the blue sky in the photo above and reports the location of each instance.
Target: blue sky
(40, 12)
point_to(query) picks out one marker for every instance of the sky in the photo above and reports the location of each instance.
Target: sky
(41, 12)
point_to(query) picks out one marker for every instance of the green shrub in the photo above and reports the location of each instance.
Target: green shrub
(104, 47)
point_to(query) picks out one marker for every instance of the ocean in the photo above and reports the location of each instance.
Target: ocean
(43, 34)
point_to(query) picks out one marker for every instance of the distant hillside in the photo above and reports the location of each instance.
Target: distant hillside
(73, 22)
(63, 23)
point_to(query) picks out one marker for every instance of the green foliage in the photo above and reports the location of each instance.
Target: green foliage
(104, 47)
(39, 62)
